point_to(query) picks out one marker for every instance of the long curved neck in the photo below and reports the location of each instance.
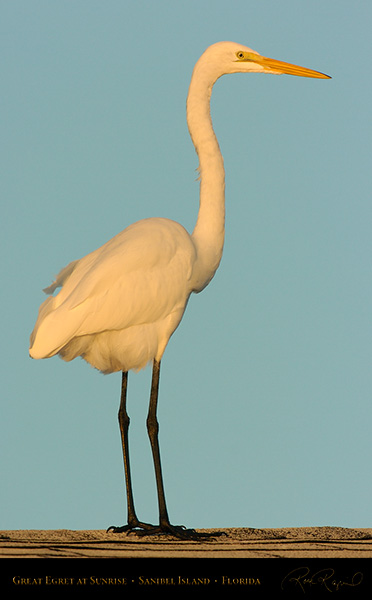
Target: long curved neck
(209, 232)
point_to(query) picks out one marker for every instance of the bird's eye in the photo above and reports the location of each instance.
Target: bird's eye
(240, 55)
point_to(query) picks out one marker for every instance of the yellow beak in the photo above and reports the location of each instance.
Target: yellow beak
(278, 66)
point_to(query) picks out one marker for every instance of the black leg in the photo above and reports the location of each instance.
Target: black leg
(133, 521)
(153, 432)
(124, 427)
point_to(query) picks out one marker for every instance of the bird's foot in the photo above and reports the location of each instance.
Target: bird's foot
(135, 527)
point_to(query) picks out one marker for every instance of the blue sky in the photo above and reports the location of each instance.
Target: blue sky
(265, 394)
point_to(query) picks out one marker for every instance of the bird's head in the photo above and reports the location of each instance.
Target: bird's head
(228, 57)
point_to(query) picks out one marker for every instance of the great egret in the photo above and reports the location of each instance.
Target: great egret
(119, 305)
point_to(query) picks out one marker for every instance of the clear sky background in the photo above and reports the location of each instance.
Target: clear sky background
(265, 399)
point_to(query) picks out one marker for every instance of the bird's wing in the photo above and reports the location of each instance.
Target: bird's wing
(139, 276)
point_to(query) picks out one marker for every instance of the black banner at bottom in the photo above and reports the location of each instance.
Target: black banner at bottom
(251, 578)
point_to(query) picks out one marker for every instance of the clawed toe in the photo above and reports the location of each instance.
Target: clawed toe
(137, 527)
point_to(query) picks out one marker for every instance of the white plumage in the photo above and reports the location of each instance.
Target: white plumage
(119, 305)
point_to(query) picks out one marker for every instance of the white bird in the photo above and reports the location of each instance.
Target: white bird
(119, 305)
